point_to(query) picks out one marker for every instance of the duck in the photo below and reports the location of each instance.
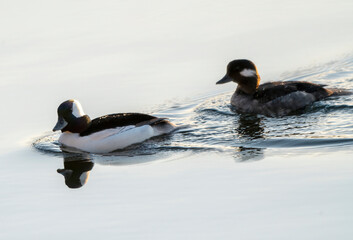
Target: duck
(107, 133)
(272, 98)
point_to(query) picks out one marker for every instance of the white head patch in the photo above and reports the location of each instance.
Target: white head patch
(77, 110)
(248, 72)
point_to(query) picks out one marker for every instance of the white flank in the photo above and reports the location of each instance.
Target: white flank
(77, 110)
(112, 139)
(248, 73)
(107, 140)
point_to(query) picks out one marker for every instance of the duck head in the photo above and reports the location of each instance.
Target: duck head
(244, 73)
(71, 117)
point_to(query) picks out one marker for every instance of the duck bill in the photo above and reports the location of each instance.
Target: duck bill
(60, 124)
(225, 79)
(65, 172)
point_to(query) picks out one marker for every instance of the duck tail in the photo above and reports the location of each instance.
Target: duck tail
(162, 125)
(339, 92)
(157, 121)
(154, 122)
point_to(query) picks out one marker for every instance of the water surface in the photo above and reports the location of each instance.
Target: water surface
(209, 123)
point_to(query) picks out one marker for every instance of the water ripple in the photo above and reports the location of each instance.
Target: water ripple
(209, 124)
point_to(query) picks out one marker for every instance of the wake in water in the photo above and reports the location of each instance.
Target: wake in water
(209, 124)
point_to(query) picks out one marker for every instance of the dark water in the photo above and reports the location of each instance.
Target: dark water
(209, 123)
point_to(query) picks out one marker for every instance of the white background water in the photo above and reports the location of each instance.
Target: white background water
(126, 56)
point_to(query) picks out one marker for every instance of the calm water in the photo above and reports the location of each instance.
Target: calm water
(221, 174)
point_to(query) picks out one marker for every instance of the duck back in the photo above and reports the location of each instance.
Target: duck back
(116, 120)
(273, 90)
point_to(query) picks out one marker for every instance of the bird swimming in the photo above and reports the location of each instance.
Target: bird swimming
(272, 98)
(107, 133)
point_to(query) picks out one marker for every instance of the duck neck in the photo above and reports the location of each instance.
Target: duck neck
(77, 125)
(248, 85)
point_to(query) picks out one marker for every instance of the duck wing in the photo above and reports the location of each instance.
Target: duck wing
(272, 90)
(118, 120)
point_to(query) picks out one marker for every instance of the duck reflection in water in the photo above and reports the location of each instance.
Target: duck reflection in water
(77, 168)
(249, 128)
